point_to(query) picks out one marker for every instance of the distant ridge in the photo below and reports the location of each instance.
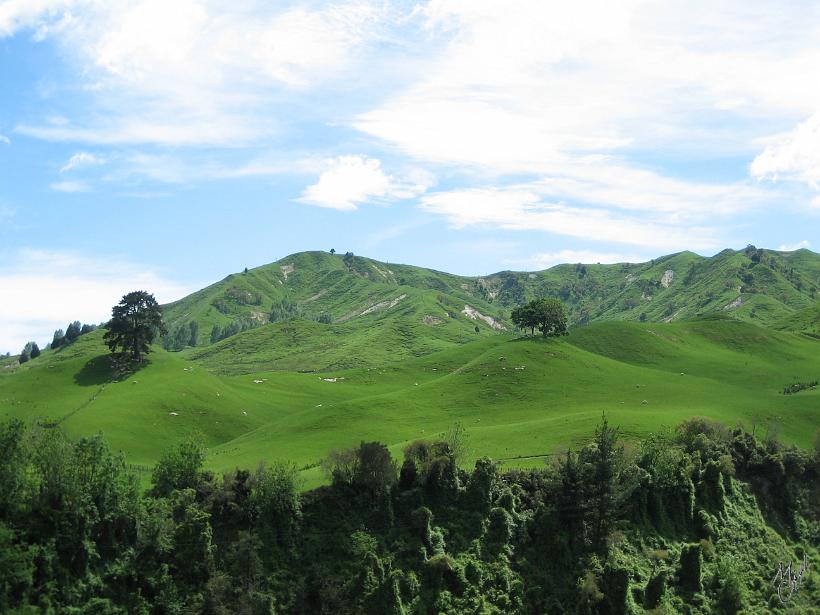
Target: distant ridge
(758, 285)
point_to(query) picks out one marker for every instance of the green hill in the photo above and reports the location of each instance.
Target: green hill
(806, 321)
(520, 399)
(762, 286)
(363, 350)
(313, 285)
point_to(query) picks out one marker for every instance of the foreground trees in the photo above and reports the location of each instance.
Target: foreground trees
(675, 526)
(547, 314)
(135, 322)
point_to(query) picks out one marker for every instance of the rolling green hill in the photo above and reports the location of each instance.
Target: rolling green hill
(806, 321)
(341, 289)
(520, 399)
(763, 286)
(363, 350)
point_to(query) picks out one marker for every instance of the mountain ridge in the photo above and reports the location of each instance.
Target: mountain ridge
(759, 285)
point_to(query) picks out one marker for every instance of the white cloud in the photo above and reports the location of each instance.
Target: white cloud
(352, 180)
(70, 186)
(566, 91)
(217, 69)
(544, 260)
(18, 14)
(521, 88)
(791, 247)
(80, 160)
(5, 139)
(793, 156)
(86, 287)
(525, 208)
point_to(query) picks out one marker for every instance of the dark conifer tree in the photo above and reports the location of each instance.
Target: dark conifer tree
(73, 331)
(134, 324)
(193, 333)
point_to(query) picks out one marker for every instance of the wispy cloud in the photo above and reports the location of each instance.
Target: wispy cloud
(523, 208)
(544, 260)
(87, 287)
(565, 92)
(791, 247)
(4, 139)
(214, 68)
(563, 118)
(70, 186)
(81, 160)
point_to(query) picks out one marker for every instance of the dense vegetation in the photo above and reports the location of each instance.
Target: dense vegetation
(691, 521)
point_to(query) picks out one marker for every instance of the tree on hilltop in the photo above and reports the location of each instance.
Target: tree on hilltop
(135, 322)
(547, 314)
(523, 317)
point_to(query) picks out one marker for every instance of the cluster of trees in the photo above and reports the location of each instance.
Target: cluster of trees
(287, 309)
(671, 526)
(237, 326)
(799, 386)
(186, 334)
(72, 332)
(547, 314)
(30, 351)
(284, 309)
(61, 338)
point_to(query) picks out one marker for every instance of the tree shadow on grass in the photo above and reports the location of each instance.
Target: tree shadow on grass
(95, 372)
(106, 368)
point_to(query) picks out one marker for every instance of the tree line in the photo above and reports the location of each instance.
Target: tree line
(61, 338)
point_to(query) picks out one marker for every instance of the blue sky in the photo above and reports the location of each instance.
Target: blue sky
(164, 144)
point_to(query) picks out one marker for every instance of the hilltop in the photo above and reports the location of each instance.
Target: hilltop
(763, 286)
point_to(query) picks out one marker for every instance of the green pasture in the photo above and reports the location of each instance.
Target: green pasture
(521, 400)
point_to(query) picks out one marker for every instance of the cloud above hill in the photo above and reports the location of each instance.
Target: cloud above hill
(352, 180)
(656, 125)
(44, 290)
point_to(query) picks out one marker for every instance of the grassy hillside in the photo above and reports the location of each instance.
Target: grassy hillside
(806, 321)
(520, 399)
(346, 289)
(762, 286)
(418, 324)
(756, 285)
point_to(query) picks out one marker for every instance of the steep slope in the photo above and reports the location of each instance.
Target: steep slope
(339, 289)
(756, 285)
(806, 321)
(752, 284)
